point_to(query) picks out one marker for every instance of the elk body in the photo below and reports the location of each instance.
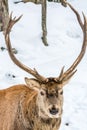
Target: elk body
(38, 104)
(44, 16)
(22, 108)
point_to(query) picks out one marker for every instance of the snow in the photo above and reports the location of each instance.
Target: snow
(64, 39)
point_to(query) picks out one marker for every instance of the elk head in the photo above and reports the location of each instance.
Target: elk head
(50, 90)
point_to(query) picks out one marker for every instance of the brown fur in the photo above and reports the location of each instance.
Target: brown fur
(19, 111)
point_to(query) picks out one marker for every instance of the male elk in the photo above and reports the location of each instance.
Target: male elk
(38, 104)
(44, 16)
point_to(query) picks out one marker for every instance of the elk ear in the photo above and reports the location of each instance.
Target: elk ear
(32, 83)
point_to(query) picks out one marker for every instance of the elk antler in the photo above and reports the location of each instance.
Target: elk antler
(14, 59)
(65, 76)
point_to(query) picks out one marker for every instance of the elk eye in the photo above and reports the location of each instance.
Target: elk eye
(61, 93)
(42, 93)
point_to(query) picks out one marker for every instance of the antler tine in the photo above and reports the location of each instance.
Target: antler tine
(66, 78)
(12, 22)
(12, 56)
(77, 14)
(71, 71)
(61, 73)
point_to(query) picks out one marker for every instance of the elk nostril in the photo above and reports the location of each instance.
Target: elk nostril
(53, 111)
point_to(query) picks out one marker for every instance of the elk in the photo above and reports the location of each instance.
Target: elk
(38, 105)
(44, 16)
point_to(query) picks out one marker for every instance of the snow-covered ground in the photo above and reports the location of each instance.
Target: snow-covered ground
(65, 41)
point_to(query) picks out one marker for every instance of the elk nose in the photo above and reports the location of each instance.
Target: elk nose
(54, 110)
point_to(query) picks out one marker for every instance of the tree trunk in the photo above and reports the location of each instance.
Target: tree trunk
(44, 14)
(44, 28)
(4, 15)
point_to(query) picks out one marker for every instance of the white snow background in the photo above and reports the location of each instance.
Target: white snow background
(65, 40)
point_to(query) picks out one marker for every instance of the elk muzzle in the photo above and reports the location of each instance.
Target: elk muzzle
(53, 110)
